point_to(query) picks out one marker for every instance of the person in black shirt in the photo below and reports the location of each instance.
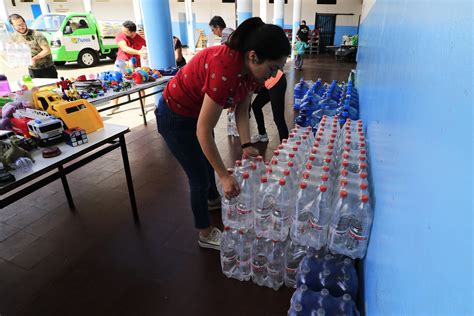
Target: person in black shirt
(303, 32)
(178, 53)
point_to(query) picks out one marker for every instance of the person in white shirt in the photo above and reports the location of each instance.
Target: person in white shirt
(218, 28)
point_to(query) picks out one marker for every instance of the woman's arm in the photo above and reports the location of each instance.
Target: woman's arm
(208, 117)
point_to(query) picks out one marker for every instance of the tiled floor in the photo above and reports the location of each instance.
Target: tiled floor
(96, 261)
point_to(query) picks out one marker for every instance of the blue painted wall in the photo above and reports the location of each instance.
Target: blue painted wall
(179, 30)
(415, 79)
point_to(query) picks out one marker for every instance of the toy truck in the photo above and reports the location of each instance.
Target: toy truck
(78, 113)
(44, 128)
(78, 37)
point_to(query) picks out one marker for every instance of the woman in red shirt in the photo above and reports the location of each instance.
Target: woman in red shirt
(214, 79)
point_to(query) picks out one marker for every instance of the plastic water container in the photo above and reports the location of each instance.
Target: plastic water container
(4, 86)
(300, 90)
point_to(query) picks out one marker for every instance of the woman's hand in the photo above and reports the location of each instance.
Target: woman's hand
(230, 187)
(250, 151)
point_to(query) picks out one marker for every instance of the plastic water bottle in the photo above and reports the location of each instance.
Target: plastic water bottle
(260, 248)
(144, 57)
(302, 216)
(340, 223)
(231, 124)
(359, 230)
(245, 203)
(294, 253)
(244, 255)
(229, 252)
(229, 212)
(300, 90)
(263, 211)
(276, 263)
(281, 212)
(318, 224)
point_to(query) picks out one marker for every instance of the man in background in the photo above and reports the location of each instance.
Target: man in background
(130, 45)
(219, 28)
(303, 32)
(42, 65)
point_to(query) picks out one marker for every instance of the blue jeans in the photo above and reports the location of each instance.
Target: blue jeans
(179, 133)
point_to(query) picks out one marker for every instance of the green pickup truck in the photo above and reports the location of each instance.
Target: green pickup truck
(78, 37)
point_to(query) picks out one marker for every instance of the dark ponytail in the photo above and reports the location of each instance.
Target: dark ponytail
(269, 41)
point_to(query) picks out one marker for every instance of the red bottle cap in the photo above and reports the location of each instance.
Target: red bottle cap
(280, 147)
(326, 168)
(226, 228)
(291, 164)
(263, 179)
(344, 172)
(306, 175)
(345, 156)
(276, 153)
(312, 157)
(343, 182)
(362, 166)
(364, 198)
(269, 170)
(327, 159)
(303, 185)
(364, 186)
(245, 175)
(363, 175)
(282, 182)
(291, 155)
(362, 157)
(298, 142)
(345, 163)
(314, 150)
(238, 163)
(286, 172)
(253, 166)
(309, 166)
(323, 188)
(324, 177)
(343, 193)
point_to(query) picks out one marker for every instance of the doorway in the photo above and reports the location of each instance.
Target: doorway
(326, 23)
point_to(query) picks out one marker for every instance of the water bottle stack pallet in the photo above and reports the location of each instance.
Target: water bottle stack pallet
(325, 99)
(314, 187)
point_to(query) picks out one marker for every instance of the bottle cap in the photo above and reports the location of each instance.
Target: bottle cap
(253, 166)
(276, 153)
(306, 175)
(286, 172)
(343, 182)
(226, 228)
(343, 193)
(344, 172)
(274, 161)
(291, 164)
(263, 179)
(309, 166)
(345, 163)
(303, 185)
(282, 182)
(364, 186)
(238, 163)
(364, 198)
(323, 188)
(311, 157)
(245, 175)
(362, 157)
(280, 147)
(268, 170)
(362, 166)
(314, 150)
(324, 177)
(363, 175)
(326, 168)
(259, 158)
(291, 155)
(327, 160)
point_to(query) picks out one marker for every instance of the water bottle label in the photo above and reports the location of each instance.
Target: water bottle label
(239, 262)
(229, 259)
(257, 268)
(314, 226)
(242, 211)
(291, 270)
(356, 237)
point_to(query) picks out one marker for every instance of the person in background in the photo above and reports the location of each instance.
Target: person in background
(42, 65)
(299, 48)
(303, 32)
(178, 52)
(130, 45)
(273, 91)
(218, 28)
(216, 78)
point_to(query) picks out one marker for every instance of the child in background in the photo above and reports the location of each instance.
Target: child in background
(299, 48)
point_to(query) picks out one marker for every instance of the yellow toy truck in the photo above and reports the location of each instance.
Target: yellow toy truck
(78, 113)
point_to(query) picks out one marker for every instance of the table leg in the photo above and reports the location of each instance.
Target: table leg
(128, 175)
(142, 105)
(67, 191)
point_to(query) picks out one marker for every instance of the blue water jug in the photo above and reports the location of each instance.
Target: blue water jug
(300, 90)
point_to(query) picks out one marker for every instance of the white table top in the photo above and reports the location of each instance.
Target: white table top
(110, 95)
(108, 132)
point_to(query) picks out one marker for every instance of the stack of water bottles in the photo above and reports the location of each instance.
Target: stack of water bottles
(18, 55)
(326, 286)
(325, 99)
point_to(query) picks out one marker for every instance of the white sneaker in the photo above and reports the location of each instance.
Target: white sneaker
(112, 111)
(259, 138)
(212, 241)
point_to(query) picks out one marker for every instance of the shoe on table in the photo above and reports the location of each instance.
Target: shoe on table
(259, 138)
(214, 204)
(211, 241)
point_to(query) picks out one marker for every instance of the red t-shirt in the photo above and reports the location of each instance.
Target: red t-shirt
(216, 71)
(136, 43)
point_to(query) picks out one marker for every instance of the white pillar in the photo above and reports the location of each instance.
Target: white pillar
(137, 10)
(296, 23)
(279, 13)
(263, 10)
(87, 5)
(44, 6)
(190, 26)
(244, 10)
